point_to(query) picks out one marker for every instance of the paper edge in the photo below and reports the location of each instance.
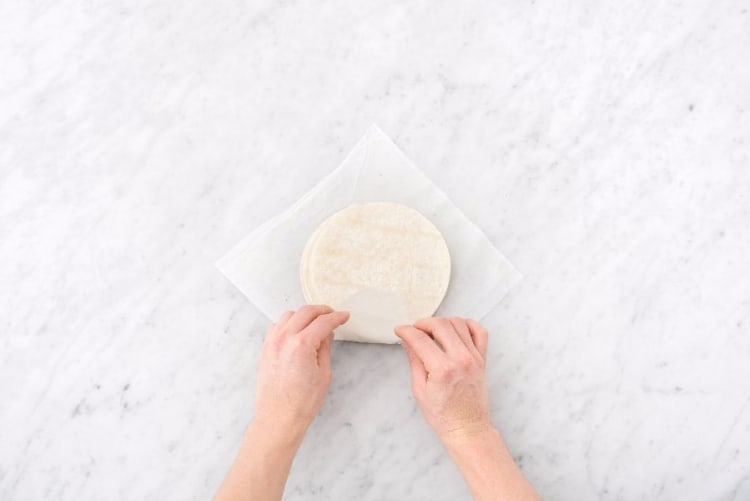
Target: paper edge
(221, 264)
(515, 275)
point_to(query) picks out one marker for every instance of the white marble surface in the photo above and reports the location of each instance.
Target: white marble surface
(606, 150)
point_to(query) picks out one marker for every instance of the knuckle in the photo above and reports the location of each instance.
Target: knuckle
(273, 344)
(465, 362)
(296, 343)
(443, 322)
(446, 370)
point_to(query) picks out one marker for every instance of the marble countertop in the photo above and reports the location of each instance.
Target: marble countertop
(605, 151)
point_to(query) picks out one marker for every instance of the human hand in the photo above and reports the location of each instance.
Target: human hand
(294, 373)
(447, 359)
(294, 370)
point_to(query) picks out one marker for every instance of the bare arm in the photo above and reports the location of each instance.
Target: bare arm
(293, 377)
(447, 360)
(262, 464)
(488, 467)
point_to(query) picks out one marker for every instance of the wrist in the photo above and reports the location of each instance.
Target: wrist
(279, 434)
(468, 436)
(468, 446)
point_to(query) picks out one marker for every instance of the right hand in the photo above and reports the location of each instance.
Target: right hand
(447, 359)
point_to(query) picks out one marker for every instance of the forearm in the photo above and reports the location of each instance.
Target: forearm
(488, 467)
(262, 465)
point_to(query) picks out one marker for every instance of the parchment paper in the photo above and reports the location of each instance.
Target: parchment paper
(265, 264)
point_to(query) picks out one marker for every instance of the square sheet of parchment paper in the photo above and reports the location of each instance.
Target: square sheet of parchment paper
(265, 264)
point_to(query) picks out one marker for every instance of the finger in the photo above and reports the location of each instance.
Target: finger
(442, 330)
(479, 336)
(324, 353)
(418, 370)
(322, 327)
(304, 316)
(422, 346)
(281, 322)
(462, 329)
(284, 318)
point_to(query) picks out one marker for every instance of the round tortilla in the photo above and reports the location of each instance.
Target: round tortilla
(385, 263)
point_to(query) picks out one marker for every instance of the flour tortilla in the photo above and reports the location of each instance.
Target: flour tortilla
(385, 263)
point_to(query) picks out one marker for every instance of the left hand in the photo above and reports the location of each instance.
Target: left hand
(294, 370)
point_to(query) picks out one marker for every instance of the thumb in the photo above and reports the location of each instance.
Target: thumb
(418, 371)
(322, 327)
